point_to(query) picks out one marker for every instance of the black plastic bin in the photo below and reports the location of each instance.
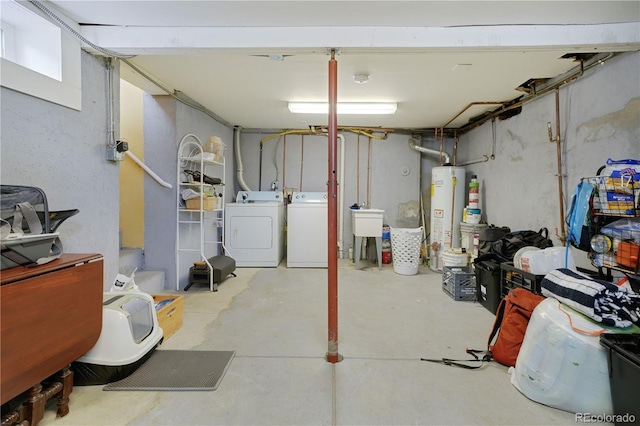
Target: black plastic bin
(513, 278)
(488, 283)
(624, 375)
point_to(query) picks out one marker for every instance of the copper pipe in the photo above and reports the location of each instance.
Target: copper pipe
(441, 144)
(566, 79)
(332, 355)
(435, 137)
(559, 154)
(455, 149)
(469, 106)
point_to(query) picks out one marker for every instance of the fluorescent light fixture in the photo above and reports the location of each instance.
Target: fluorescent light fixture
(344, 108)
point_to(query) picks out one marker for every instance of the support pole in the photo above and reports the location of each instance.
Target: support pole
(332, 355)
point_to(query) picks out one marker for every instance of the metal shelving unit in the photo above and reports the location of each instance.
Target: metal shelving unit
(615, 199)
(199, 229)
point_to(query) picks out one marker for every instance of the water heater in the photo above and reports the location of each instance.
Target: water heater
(448, 191)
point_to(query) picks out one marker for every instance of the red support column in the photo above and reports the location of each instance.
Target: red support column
(332, 355)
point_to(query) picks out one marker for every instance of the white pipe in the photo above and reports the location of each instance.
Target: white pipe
(484, 159)
(238, 156)
(341, 199)
(445, 156)
(148, 170)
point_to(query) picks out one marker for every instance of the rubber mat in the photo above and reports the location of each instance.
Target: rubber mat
(172, 370)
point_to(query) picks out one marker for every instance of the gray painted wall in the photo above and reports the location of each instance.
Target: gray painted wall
(166, 122)
(600, 119)
(388, 188)
(62, 151)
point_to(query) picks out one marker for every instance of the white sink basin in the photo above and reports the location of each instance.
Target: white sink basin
(367, 222)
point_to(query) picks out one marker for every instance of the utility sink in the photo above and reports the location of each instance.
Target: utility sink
(367, 222)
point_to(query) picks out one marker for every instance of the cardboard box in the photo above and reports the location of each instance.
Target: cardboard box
(169, 315)
(209, 203)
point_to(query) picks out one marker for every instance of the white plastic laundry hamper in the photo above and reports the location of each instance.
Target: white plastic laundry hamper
(405, 247)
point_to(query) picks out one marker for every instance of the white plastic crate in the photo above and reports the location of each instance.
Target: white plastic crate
(459, 282)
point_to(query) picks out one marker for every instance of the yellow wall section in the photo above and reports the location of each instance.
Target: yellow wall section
(131, 176)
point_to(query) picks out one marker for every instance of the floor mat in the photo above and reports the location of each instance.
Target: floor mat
(171, 370)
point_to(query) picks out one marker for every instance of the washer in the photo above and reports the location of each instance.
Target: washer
(307, 230)
(254, 229)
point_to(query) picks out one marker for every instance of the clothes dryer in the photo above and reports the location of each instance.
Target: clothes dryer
(307, 230)
(255, 229)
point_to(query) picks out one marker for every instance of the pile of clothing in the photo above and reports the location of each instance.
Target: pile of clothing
(600, 300)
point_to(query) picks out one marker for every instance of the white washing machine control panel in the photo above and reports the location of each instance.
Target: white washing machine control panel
(309, 197)
(259, 196)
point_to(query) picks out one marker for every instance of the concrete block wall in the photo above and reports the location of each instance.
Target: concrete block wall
(63, 151)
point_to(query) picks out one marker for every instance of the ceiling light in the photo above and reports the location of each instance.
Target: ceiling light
(361, 78)
(344, 108)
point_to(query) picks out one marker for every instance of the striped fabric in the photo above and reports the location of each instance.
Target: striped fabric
(600, 300)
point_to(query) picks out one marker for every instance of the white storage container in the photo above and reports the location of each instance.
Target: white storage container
(560, 367)
(541, 262)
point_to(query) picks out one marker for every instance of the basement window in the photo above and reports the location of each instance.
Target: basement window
(37, 58)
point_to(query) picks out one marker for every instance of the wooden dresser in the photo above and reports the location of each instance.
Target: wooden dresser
(50, 315)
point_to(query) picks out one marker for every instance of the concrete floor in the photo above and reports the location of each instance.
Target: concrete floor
(276, 321)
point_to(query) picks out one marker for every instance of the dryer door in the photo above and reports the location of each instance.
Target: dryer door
(250, 232)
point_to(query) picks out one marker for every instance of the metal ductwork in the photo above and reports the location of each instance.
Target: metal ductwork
(414, 143)
(238, 157)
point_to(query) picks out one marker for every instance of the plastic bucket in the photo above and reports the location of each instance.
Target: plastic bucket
(470, 237)
(455, 257)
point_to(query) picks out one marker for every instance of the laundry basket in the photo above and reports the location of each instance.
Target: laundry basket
(405, 246)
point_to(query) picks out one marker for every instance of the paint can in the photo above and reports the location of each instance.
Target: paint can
(473, 216)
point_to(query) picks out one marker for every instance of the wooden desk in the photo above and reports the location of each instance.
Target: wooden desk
(50, 315)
